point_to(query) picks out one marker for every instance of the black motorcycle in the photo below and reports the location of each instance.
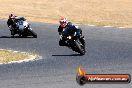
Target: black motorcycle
(73, 41)
(22, 28)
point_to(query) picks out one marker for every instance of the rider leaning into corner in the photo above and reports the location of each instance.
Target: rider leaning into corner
(66, 24)
(11, 22)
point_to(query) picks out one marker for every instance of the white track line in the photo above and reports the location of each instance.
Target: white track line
(15, 51)
(107, 26)
(91, 25)
(121, 27)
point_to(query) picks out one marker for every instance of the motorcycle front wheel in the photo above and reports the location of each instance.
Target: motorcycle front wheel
(80, 47)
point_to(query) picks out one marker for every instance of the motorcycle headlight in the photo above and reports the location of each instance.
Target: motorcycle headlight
(69, 37)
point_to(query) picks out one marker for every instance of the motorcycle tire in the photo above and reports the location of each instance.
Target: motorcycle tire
(33, 33)
(81, 48)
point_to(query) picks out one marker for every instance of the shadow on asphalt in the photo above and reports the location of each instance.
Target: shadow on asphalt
(68, 55)
(14, 37)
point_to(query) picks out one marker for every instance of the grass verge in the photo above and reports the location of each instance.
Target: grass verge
(7, 56)
(98, 12)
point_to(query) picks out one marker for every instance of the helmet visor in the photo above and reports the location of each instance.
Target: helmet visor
(62, 22)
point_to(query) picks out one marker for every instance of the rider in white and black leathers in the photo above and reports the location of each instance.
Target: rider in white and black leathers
(13, 19)
(65, 24)
(10, 21)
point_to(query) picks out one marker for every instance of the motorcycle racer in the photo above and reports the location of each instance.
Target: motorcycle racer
(13, 19)
(64, 24)
(10, 21)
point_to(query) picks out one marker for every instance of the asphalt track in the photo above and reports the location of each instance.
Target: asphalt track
(109, 50)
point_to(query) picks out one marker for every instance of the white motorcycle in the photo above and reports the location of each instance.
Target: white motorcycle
(22, 28)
